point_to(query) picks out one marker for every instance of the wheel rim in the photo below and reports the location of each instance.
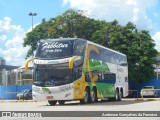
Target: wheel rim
(93, 97)
(116, 95)
(85, 97)
(120, 96)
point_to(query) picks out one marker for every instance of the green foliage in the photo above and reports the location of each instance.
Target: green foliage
(70, 24)
(137, 45)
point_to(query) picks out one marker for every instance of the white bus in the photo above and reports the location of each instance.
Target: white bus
(76, 69)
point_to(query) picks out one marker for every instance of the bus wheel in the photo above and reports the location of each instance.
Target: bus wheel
(94, 96)
(52, 102)
(120, 96)
(117, 95)
(61, 102)
(85, 100)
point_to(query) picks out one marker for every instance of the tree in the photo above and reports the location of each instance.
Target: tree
(138, 46)
(70, 24)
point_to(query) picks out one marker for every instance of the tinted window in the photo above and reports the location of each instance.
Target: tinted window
(108, 56)
(123, 61)
(55, 49)
(52, 75)
(94, 55)
(79, 47)
(79, 50)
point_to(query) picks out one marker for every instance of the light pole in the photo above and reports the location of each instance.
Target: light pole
(32, 14)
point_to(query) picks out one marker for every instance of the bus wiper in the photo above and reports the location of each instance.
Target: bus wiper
(52, 58)
(44, 58)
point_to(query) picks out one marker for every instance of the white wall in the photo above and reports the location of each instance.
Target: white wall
(2, 61)
(4, 77)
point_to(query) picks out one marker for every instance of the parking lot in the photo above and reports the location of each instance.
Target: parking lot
(147, 104)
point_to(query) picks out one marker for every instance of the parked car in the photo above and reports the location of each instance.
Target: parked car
(25, 94)
(149, 91)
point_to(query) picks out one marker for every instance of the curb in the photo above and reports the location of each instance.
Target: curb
(148, 99)
(14, 101)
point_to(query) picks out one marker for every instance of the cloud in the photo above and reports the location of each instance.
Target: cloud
(122, 10)
(30, 29)
(5, 25)
(3, 37)
(11, 39)
(156, 38)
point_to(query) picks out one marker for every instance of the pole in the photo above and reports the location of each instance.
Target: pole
(157, 70)
(32, 14)
(32, 22)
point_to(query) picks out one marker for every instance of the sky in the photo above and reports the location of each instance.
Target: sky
(15, 21)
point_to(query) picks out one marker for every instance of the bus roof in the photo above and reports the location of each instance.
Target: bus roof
(106, 48)
(59, 39)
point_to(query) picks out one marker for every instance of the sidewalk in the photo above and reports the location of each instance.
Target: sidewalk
(17, 101)
(142, 99)
(124, 99)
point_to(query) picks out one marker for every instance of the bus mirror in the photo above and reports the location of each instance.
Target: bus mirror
(71, 61)
(27, 62)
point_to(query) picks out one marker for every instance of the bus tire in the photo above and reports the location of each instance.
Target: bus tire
(61, 102)
(86, 98)
(94, 95)
(119, 96)
(52, 102)
(116, 97)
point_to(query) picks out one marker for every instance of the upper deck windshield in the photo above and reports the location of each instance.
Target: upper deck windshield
(58, 74)
(50, 49)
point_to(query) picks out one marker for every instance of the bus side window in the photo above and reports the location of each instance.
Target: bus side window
(79, 47)
(123, 61)
(77, 73)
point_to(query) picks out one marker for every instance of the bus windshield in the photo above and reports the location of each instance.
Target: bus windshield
(52, 75)
(50, 49)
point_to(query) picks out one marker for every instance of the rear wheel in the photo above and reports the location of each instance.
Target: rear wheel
(52, 102)
(119, 96)
(94, 96)
(61, 102)
(116, 97)
(86, 98)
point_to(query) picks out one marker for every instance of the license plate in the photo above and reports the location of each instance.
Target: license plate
(49, 97)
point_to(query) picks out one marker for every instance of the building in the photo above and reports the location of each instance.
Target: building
(13, 79)
(19, 76)
(4, 70)
(157, 67)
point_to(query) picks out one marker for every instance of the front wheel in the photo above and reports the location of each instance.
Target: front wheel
(61, 102)
(94, 96)
(52, 102)
(86, 98)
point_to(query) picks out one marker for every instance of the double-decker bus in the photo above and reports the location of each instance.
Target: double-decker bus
(76, 69)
